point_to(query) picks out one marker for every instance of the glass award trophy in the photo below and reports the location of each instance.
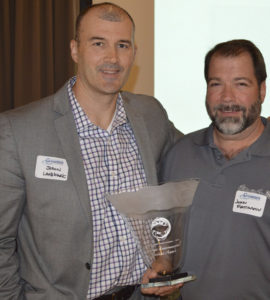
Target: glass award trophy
(157, 217)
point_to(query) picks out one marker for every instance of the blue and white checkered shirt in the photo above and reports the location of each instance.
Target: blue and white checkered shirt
(112, 164)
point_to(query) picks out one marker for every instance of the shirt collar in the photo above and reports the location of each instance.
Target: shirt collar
(204, 136)
(261, 147)
(82, 121)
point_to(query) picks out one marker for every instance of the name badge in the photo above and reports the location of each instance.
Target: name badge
(51, 168)
(249, 203)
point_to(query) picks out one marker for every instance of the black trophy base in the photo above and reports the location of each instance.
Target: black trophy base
(166, 280)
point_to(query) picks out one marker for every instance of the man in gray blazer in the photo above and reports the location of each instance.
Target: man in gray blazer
(59, 237)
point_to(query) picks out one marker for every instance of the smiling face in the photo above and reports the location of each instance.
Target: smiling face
(233, 97)
(104, 53)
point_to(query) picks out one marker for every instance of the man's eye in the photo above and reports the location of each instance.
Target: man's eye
(98, 44)
(242, 83)
(213, 84)
(123, 45)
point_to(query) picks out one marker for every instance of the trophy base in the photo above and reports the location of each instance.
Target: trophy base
(166, 280)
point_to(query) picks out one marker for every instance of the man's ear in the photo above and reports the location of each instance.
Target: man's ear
(262, 91)
(74, 50)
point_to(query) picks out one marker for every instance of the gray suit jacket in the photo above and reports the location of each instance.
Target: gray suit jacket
(45, 225)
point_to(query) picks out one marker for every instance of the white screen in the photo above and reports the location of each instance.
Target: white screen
(185, 30)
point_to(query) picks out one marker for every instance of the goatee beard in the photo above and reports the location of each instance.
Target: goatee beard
(234, 125)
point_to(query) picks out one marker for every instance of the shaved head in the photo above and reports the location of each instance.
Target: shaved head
(105, 11)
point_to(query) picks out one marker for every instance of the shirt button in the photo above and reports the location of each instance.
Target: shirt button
(88, 266)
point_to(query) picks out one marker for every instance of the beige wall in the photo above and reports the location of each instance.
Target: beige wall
(142, 75)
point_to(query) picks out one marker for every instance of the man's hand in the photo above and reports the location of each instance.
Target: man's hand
(158, 291)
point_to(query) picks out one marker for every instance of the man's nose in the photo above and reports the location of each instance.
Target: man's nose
(112, 54)
(227, 93)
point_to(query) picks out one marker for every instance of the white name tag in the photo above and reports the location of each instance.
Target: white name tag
(51, 168)
(249, 203)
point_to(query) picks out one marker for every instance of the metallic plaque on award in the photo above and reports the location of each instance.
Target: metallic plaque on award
(157, 217)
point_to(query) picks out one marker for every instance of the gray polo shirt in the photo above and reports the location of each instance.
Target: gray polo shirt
(228, 237)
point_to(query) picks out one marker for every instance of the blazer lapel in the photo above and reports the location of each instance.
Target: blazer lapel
(67, 134)
(143, 141)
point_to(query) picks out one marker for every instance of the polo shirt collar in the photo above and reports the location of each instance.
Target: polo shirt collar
(261, 147)
(204, 137)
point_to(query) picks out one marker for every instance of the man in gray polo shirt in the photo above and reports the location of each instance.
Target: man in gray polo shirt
(228, 237)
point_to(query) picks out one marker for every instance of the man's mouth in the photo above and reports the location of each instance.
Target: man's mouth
(230, 108)
(110, 69)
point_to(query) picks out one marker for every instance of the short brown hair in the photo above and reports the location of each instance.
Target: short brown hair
(109, 11)
(235, 48)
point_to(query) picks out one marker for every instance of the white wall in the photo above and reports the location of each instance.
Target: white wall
(184, 31)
